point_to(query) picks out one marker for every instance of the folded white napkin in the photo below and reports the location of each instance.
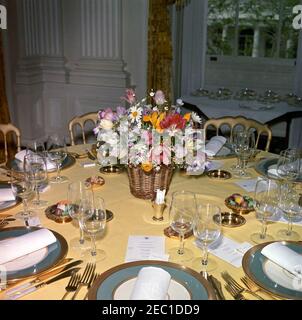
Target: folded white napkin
(6, 194)
(285, 257)
(151, 284)
(214, 145)
(14, 248)
(20, 156)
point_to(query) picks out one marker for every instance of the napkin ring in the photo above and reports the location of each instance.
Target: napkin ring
(158, 211)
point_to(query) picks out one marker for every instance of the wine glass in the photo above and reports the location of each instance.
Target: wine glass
(94, 226)
(36, 146)
(79, 199)
(289, 165)
(233, 143)
(23, 188)
(57, 152)
(207, 229)
(182, 212)
(266, 206)
(35, 166)
(244, 147)
(291, 206)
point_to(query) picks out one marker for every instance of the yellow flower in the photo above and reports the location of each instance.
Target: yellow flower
(187, 116)
(147, 166)
(147, 118)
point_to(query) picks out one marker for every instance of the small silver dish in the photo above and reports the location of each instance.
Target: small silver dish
(219, 174)
(230, 219)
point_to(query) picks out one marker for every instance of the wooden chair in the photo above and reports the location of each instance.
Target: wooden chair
(81, 121)
(248, 124)
(5, 129)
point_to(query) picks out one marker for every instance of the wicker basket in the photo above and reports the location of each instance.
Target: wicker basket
(144, 185)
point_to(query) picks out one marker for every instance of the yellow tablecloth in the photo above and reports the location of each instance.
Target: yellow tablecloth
(133, 217)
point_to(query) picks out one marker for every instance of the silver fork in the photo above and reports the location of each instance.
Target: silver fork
(235, 294)
(234, 284)
(72, 285)
(92, 279)
(85, 279)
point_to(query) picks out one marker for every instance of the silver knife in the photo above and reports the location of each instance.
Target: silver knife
(217, 287)
(42, 277)
(61, 276)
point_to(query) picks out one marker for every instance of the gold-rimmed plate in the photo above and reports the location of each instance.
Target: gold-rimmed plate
(269, 276)
(117, 283)
(7, 205)
(37, 262)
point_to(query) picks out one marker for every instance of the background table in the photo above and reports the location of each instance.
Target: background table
(129, 219)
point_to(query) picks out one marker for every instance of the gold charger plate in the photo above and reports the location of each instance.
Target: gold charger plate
(55, 255)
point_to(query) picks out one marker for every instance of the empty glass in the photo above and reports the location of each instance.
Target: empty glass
(57, 152)
(289, 165)
(23, 188)
(244, 142)
(266, 205)
(182, 212)
(291, 206)
(79, 203)
(94, 226)
(206, 230)
(35, 166)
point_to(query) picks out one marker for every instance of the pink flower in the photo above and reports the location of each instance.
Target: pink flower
(161, 154)
(130, 96)
(107, 114)
(159, 98)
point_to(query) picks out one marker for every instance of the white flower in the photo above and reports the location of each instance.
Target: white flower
(179, 102)
(106, 124)
(135, 114)
(195, 117)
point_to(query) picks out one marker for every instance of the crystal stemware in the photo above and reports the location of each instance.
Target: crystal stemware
(57, 152)
(206, 230)
(79, 199)
(23, 188)
(289, 165)
(182, 212)
(291, 206)
(35, 166)
(94, 226)
(266, 206)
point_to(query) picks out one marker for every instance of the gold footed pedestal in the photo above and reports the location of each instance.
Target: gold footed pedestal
(158, 211)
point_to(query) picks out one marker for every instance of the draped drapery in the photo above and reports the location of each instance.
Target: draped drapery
(4, 111)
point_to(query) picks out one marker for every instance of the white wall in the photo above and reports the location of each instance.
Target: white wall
(68, 57)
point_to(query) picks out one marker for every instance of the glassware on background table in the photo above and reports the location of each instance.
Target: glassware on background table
(244, 147)
(94, 226)
(23, 188)
(35, 166)
(206, 231)
(266, 206)
(182, 212)
(56, 153)
(79, 199)
(291, 206)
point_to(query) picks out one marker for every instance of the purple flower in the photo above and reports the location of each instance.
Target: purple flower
(107, 114)
(121, 111)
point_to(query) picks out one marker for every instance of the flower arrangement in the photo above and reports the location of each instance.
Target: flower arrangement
(150, 135)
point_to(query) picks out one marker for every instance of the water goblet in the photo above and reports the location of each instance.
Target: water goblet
(207, 229)
(291, 207)
(35, 166)
(79, 199)
(56, 153)
(182, 212)
(94, 226)
(266, 206)
(23, 188)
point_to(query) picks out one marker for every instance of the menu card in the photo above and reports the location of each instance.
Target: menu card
(146, 248)
(228, 250)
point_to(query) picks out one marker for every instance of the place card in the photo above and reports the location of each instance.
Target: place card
(146, 248)
(228, 250)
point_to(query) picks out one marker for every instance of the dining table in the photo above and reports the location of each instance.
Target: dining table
(133, 216)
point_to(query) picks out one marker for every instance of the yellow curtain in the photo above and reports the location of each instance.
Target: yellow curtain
(160, 53)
